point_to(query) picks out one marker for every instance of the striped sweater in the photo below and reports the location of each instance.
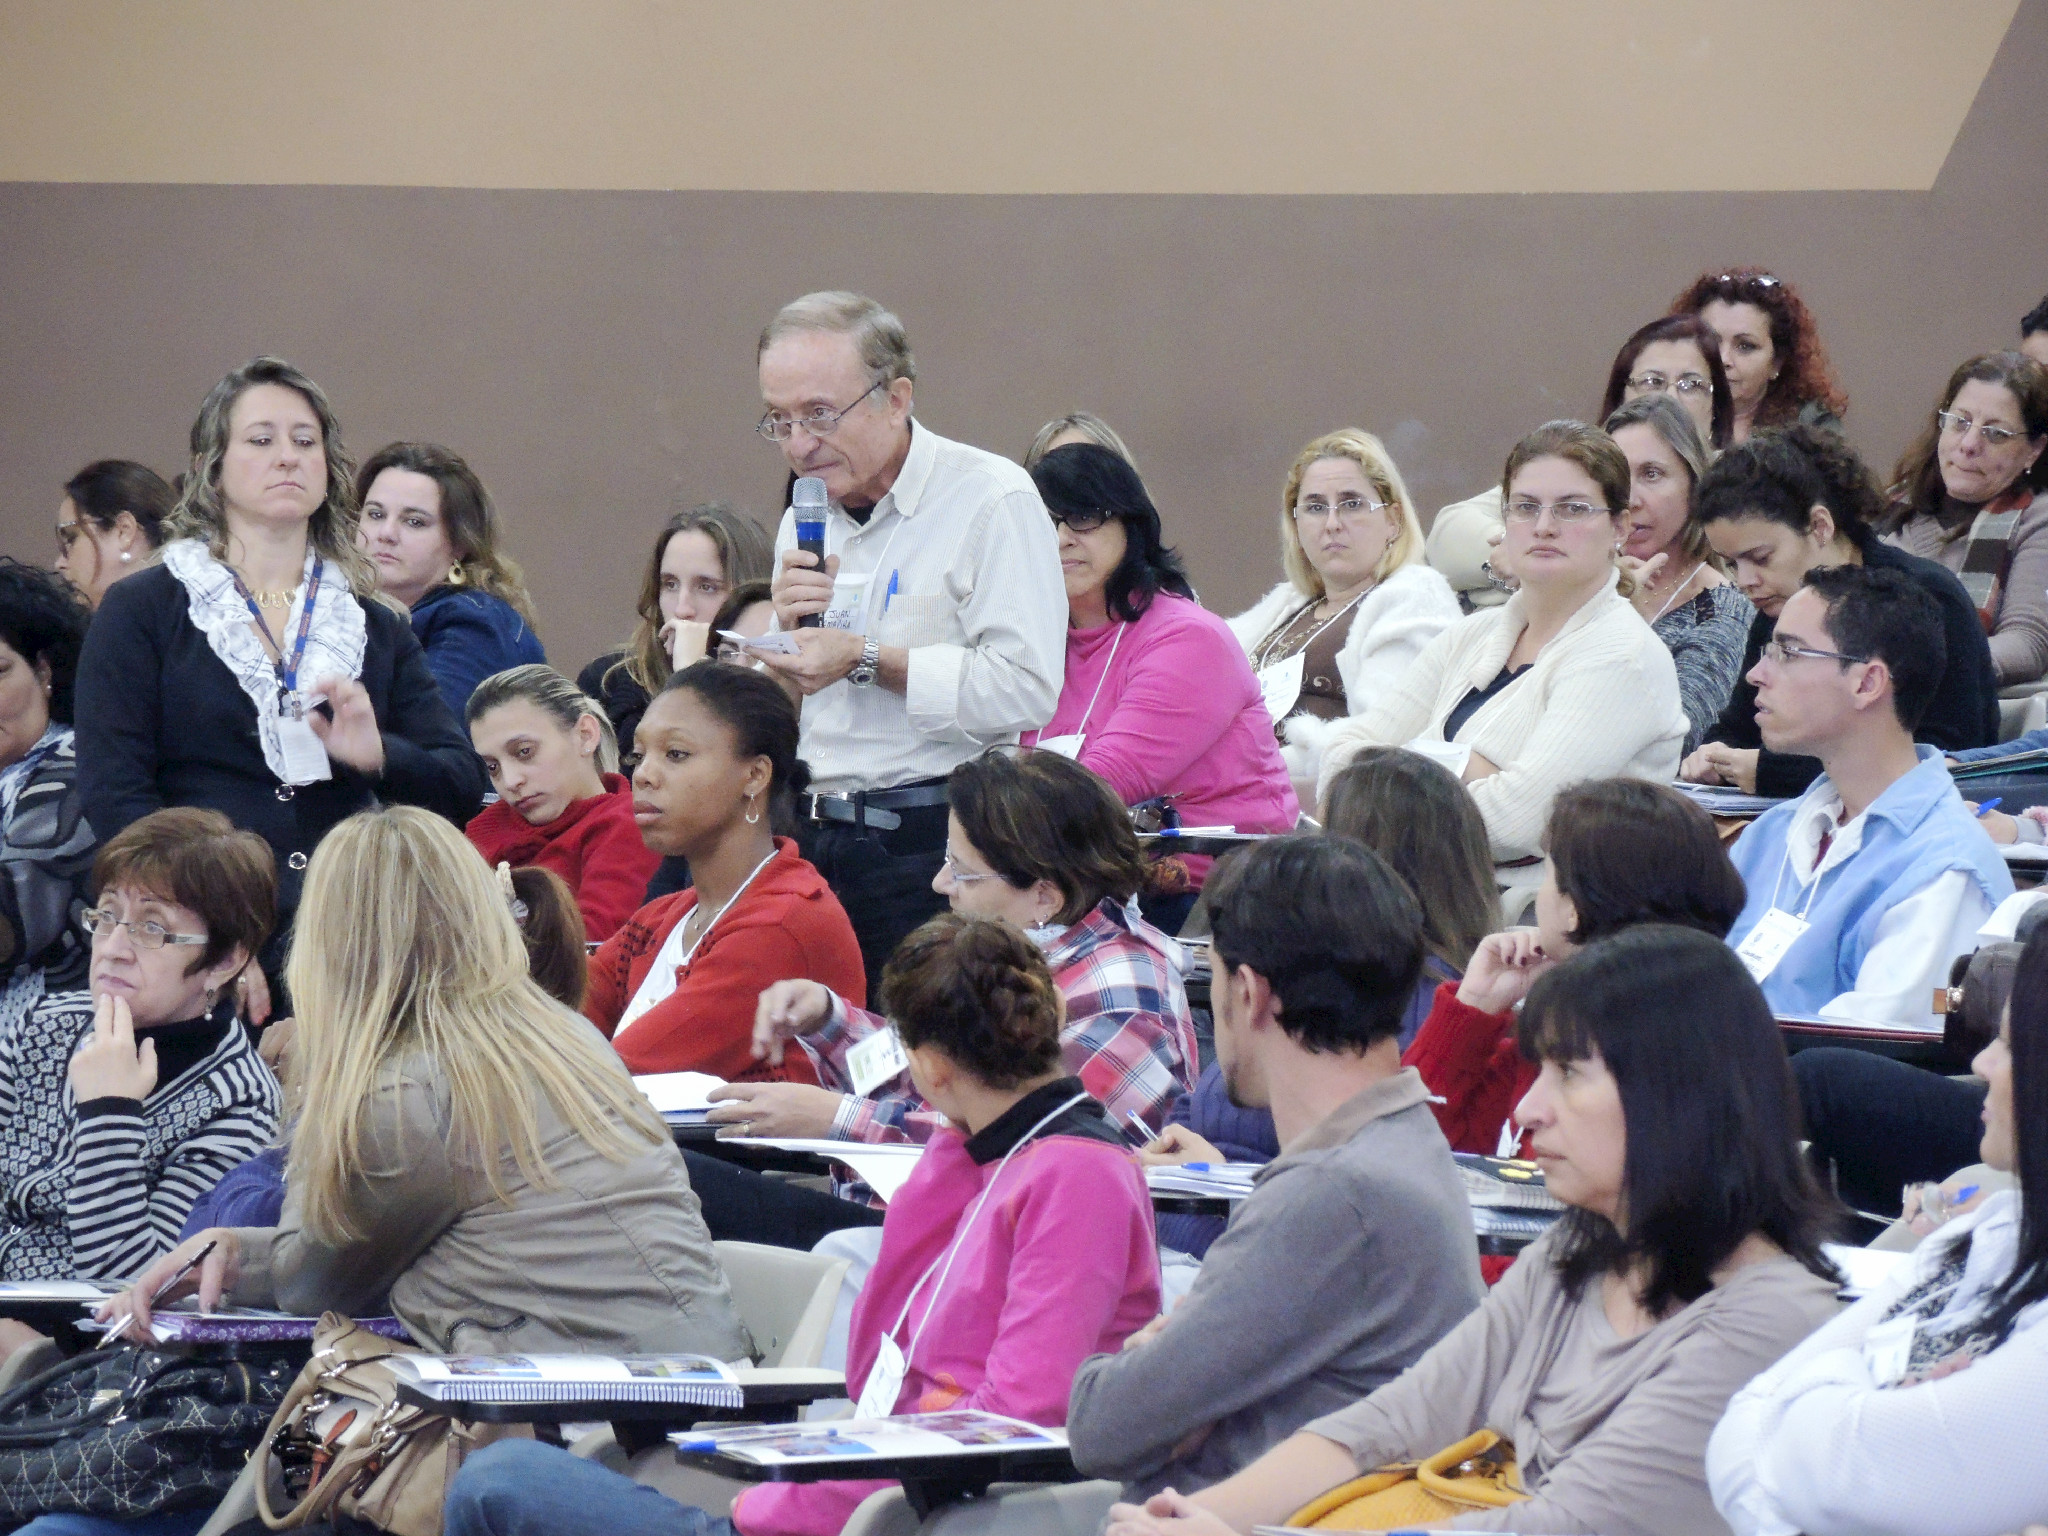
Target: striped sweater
(102, 1193)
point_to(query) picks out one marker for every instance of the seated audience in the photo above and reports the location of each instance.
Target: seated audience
(1317, 945)
(46, 844)
(1944, 1365)
(1689, 1258)
(1778, 371)
(1622, 853)
(1206, 1126)
(1127, 710)
(123, 1104)
(1359, 602)
(1966, 493)
(204, 682)
(700, 557)
(1881, 1125)
(2034, 333)
(1791, 502)
(1562, 682)
(675, 988)
(432, 533)
(1076, 427)
(1678, 356)
(994, 1314)
(1415, 815)
(466, 1144)
(562, 804)
(1865, 889)
(1694, 609)
(109, 522)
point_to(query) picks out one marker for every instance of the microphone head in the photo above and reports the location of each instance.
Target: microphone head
(809, 495)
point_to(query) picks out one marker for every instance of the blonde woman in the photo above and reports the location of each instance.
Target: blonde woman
(1358, 605)
(463, 1141)
(254, 671)
(1077, 427)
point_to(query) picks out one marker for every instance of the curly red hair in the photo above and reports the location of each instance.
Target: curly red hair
(1806, 375)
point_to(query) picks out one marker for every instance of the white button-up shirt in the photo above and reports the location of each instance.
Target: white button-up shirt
(978, 602)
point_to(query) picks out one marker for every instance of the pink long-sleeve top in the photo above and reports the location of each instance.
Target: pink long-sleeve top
(1059, 1264)
(1179, 712)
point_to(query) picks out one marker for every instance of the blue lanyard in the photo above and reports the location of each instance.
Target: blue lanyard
(287, 671)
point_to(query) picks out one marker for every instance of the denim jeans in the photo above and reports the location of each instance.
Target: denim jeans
(520, 1488)
(177, 1522)
(1884, 1124)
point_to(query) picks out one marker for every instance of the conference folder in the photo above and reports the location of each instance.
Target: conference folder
(684, 1380)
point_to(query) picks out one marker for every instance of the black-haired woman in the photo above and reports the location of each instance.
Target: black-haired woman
(1159, 697)
(46, 844)
(1945, 1367)
(109, 523)
(675, 988)
(1664, 1118)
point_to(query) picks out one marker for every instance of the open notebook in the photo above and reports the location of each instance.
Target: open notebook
(694, 1380)
(961, 1432)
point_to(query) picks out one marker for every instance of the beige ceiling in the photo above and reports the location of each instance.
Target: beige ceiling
(999, 96)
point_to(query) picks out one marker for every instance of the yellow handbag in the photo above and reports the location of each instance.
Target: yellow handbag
(1476, 1473)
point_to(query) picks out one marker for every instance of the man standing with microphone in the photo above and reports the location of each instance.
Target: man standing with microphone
(942, 607)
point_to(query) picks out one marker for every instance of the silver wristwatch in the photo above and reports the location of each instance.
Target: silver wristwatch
(870, 662)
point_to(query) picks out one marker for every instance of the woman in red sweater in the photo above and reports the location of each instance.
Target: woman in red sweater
(561, 805)
(676, 987)
(1622, 852)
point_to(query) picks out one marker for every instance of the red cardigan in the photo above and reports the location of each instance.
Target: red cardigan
(1470, 1059)
(787, 923)
(593, 845)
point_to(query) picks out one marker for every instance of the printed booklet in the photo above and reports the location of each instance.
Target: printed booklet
(961, 1432)
(682, 1379)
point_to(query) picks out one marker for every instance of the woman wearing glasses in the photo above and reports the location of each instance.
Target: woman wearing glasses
(1677, 356)
(1359, 602)
(1778, 371)
(1966, 494)
(1159, 698)
(1562, 682)
(122, 1105)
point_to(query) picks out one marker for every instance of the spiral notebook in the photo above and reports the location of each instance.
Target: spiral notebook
(695, 1380)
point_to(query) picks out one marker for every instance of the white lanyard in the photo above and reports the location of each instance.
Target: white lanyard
(1819, 873)
(638, 1009)
(1082, 728)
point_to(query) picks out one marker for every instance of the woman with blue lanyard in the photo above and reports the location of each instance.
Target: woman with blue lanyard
(253, 670)
(1021, 1245)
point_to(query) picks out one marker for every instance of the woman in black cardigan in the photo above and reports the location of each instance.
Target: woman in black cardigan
(205, 681)
(1789, 500)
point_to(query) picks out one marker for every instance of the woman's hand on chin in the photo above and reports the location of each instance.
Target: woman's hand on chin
(109, 1065)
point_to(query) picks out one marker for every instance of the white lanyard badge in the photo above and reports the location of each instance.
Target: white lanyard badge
(1280, 681)
(1069, 745)
(892, 1364)
(1777, 930)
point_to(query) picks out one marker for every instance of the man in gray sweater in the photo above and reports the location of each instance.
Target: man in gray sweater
(1355, 1252)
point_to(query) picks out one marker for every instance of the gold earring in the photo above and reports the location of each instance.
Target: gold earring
(456, 576)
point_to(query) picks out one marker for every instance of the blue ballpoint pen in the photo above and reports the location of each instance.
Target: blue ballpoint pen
(1989, 806)
(889, 596)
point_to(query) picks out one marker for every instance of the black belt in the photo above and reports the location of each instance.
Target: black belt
(875, 807)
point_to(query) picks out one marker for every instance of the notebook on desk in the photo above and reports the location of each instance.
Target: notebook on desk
(961, 1432)
(1504, 1183)
(182, 1324)
(685, 1380)
(679, 1097)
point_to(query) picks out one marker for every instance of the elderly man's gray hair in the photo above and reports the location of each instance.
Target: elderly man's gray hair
(876, 332)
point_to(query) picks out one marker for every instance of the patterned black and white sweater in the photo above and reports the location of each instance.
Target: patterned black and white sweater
(99, 1190)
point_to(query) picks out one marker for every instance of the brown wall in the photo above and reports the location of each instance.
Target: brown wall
(591, 351)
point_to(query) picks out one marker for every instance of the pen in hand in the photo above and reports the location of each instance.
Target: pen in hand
(1989, 806)
(113, 1329)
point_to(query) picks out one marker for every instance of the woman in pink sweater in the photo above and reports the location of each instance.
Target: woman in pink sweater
(1159, 698)
(1021, 1246)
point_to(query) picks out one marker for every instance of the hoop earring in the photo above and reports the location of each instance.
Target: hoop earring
(753, 812)
(456, 575)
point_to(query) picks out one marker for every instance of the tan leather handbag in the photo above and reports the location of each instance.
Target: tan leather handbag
(342, 1443)
(1476, 1473)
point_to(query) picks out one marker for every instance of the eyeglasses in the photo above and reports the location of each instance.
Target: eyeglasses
(1349, 510)
(1526, 511)
(959, 873)
(819, 421)
(1958, 424)
(101, 925)
(1759, 281)
(1080, 519)
(1658, 384)
(67, 535)
(1782, 651)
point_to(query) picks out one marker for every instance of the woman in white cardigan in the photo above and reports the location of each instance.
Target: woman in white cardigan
(1562, 682)
(1358, 605)
(1923, 1409)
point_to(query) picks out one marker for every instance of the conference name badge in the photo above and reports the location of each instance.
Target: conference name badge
(877, 1060)
(1765, 945)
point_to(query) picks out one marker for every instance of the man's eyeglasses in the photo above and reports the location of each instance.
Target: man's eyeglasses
(1349, 510)
(101, 925)
(1782, 651)
(1080, 519)
(959, 873)
(1527, 511)
(819, 421)
(1658, 384)
(1958, 424)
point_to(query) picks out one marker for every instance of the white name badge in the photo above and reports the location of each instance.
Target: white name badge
(1281, 683)
(876, 1060)
(1765, 945)
(305, 757)
(849, 608)
(1068, 747)
(1888, 1349)
(884, 1383)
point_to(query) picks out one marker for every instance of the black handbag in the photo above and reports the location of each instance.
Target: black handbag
(128, 1431)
